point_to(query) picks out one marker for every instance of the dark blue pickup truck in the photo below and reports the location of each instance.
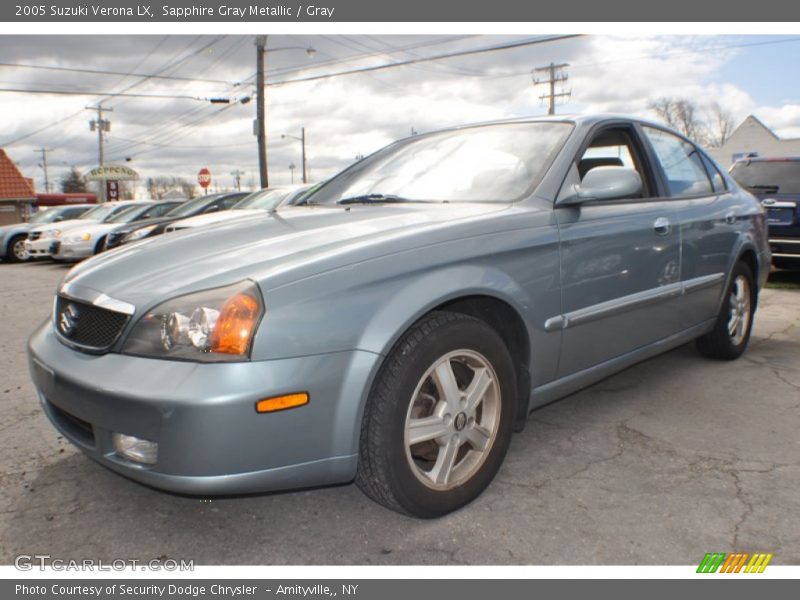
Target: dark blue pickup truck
(776, 182)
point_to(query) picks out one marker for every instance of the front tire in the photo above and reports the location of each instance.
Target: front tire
(16, 249)
(439, 417)
(731, 333)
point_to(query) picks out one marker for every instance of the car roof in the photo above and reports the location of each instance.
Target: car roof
(586, 120)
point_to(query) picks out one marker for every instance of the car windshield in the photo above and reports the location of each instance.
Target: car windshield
(777, 177)
(192, 207)
(102, 212)
(46, 215)
(490, 163)
(126, 215)
(262, 200)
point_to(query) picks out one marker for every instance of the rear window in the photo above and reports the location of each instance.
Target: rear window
(770, 177)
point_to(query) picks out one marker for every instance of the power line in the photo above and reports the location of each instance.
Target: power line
(107, 95)
(99, 72)
(414, 61)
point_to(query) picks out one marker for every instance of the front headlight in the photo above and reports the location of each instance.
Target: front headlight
(52, 233)
(77, 238)
(215, 325)
(137, 234)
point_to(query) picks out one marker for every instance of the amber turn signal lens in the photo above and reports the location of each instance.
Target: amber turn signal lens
(235, 325)
(281, 402)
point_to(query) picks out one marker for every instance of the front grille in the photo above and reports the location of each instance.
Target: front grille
(34, 235)
(87, 325)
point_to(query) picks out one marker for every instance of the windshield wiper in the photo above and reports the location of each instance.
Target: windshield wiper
(374, 199)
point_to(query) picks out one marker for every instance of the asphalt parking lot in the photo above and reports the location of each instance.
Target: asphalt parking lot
(660, 464)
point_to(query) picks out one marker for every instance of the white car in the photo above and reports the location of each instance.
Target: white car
(257, 203)
(87, 239)
(41, 240)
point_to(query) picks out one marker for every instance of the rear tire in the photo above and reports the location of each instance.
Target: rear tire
(16, 249)
(439, 418)
(731, 333)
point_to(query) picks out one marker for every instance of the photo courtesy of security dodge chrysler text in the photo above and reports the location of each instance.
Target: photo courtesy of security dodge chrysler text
(398, 324)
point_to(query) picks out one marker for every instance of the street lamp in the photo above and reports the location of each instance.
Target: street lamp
(302, 140)
(261, 111)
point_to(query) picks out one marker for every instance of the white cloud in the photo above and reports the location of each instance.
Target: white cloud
(343, 116)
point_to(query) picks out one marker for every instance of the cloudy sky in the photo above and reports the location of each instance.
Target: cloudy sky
(348, 115)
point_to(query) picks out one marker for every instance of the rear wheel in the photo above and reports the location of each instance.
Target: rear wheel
(16, 249)
(731, 332)
(439, 417)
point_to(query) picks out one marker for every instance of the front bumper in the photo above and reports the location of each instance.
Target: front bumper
(210, 439)
(74, 250)
(41, 248)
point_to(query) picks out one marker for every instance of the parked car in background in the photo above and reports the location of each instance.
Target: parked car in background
(776, 182)
(139, 230)
(42, 237)
(86, 240)
(400, 324)
(256, 203)
(13, 237)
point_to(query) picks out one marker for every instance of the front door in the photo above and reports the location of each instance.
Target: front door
(620, 261)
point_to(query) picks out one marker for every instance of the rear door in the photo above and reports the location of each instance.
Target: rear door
(708, 217)
(620, 259)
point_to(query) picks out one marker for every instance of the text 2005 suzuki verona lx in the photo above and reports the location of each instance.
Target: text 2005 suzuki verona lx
(400, 324)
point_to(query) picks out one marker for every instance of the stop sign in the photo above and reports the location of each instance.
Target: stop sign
(204, 178)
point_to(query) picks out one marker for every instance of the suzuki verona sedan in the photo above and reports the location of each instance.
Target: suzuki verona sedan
(401, 324)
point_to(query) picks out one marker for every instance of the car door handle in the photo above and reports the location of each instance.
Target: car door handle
(662, 226)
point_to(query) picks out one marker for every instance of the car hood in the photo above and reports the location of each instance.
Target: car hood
(62, 225)
(217, 217)
(272, 248)
(134, 225)
(5, 229)
(92, 228)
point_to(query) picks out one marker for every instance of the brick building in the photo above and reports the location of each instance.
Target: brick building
(17, 197)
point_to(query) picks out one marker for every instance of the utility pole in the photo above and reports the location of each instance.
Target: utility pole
(303, 141)
(261, 117)
(43, 151)
(102, 126)
(291, 170)
(555, 74)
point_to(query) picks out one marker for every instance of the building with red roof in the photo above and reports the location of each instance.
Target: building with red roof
(17, 197)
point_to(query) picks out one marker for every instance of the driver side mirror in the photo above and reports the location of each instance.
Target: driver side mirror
(58, 219)
(211, 209)
(606, 183)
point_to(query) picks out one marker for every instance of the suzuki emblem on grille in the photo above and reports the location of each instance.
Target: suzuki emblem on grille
(69, 319)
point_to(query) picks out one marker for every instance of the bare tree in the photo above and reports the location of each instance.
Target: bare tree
(709, 126)
(719, 127)
(160, 187)
(679, 114)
